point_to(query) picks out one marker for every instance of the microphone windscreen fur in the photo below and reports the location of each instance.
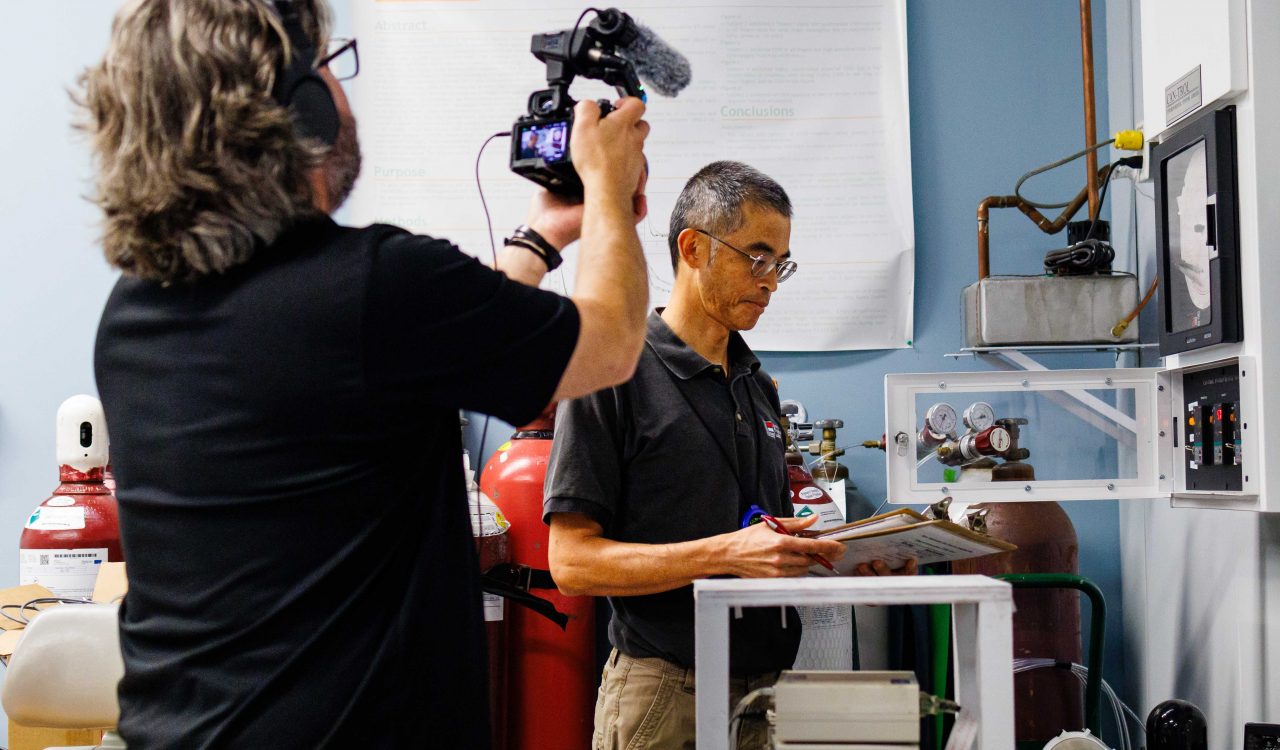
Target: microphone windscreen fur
(659, 65)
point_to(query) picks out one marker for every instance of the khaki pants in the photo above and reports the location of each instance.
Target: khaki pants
(650, 703)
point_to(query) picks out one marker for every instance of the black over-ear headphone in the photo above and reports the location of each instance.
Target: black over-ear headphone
(299, 88)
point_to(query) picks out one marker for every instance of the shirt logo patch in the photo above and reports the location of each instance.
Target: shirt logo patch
(772, 430)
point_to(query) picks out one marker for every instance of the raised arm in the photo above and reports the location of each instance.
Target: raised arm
(611, 287)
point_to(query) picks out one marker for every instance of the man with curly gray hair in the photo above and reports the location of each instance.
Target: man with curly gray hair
(283, 391)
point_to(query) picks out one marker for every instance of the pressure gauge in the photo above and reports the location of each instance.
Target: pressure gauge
(979, 416)
(940, 419)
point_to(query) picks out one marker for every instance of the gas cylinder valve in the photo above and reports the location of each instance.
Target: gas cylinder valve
(826, 448)
(828, 469)
(994, 441)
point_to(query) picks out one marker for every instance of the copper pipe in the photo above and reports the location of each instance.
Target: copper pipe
(1013, 201)
(1090, 111)
(1093, 175)
(1120, 327)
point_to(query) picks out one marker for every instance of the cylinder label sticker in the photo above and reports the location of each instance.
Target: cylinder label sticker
(810, 493)
(487, 518)
(46, 518)
(829, 515)
(492, 608)
(65, 572)
(836, 491)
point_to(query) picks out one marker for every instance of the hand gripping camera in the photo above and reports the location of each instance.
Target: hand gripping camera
(613, 48)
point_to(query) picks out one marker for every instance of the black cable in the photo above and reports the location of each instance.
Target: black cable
(1089, 255)
(1102, 196)
(484, 433)
(1133, 162)
(493, 248)
(22, 618)
(1017, 188)
(578, 22)
(1085, 256)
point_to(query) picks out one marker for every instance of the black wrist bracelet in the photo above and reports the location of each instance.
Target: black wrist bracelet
(526, 237)
(527, 245)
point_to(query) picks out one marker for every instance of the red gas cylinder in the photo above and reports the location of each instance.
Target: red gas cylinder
(490, 528)
(551, 673)
(77, 529)
(1046, 622)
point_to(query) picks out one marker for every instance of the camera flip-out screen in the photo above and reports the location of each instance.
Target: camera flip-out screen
(547, 141)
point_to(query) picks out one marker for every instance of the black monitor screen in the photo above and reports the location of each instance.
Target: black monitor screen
(547, 141)
(1197, 233)
(1186, 195)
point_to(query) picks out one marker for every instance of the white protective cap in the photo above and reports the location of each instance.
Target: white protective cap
(1076, 741)
(82, 441)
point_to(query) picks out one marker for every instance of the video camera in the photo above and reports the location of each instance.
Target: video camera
(612, 48)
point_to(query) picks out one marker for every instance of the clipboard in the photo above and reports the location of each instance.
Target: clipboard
(902, 535)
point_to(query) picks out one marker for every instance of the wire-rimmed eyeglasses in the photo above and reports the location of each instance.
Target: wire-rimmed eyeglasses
(761, 264)
(342, 58)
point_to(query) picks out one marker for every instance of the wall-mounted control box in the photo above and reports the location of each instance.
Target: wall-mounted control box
(1213, 443)
(1190, 434)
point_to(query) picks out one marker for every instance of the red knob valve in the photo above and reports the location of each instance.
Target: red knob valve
(993, 441)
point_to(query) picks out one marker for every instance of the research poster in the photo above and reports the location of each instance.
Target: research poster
(814, 95)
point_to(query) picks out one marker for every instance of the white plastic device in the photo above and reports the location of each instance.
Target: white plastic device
(81, 434)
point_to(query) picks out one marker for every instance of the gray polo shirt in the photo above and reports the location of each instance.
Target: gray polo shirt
(680, 452)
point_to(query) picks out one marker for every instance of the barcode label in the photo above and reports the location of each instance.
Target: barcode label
(65, 572)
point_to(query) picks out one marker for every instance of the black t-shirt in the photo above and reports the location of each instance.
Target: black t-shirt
(679, 452)
(286, 445)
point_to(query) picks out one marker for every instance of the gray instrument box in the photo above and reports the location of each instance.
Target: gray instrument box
(1040, 310)
(847, 709)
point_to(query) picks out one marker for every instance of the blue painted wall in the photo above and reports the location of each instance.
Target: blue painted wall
(995, 90)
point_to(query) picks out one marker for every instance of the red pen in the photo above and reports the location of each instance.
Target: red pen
(772, 523)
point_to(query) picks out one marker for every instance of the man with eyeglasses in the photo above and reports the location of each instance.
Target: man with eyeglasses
(283, 391)
(655, 483)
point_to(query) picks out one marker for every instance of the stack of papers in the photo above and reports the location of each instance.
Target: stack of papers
(904, 535)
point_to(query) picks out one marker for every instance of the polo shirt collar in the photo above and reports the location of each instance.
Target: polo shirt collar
(683, 361)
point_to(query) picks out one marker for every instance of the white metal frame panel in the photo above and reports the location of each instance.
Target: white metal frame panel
(983, 627)
(1157, 427)
(1151, 405)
